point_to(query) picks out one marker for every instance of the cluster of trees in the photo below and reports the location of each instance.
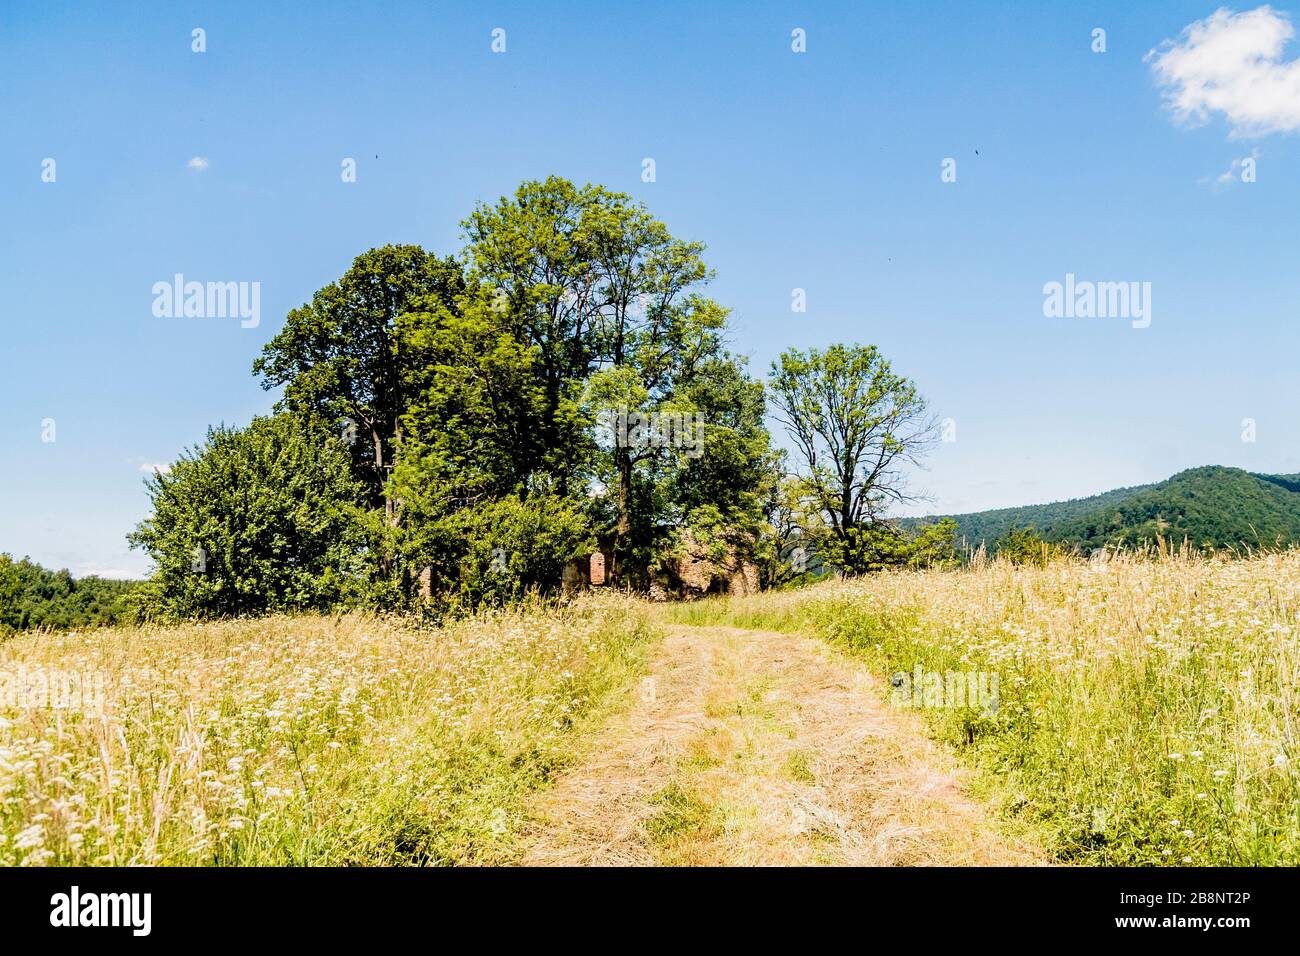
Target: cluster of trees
(33, 597)
(440, 431)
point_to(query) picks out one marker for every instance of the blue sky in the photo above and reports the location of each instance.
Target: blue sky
(818, 170)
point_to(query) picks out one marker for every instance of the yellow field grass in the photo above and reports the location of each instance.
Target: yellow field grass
(1149, 707)
(1147, 714)
(298, 740)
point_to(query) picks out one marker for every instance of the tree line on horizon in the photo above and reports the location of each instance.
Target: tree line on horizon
(33, 597)
(1211, 508)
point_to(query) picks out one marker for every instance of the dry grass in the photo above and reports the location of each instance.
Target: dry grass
(759, 748)
(1148, 713)
(303, 740)
(1149, 708)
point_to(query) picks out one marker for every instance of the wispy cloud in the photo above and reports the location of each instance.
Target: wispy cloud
(198, 163)
(85, 569)
(1231, 64)
(149, 468)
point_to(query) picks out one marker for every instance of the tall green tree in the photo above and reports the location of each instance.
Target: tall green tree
(855, 425)
(476, 404)
(534, 252)
(343, 357)
(471, 445)
(719, 496)
(611, 304)
(791, 529)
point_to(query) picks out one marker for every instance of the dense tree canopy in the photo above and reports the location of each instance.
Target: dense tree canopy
(462, 428)
(610, 305)
(343, 356)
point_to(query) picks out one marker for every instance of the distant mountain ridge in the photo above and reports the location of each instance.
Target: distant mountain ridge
(1212, 507)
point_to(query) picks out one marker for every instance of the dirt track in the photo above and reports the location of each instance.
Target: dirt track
(758, 748)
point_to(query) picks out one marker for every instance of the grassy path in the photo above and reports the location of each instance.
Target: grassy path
(755, 748)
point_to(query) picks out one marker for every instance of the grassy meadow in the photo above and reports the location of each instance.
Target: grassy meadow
(1149, 708)
(1147, 715)
(305, 740)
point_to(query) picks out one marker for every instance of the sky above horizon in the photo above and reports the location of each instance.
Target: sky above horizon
(820, 170)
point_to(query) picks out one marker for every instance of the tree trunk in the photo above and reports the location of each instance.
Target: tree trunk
(623, 460)
(385, 558)
(391, 505)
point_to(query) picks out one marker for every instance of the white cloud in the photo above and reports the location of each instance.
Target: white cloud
(85, 569)
(1231, 63)
(149, 468)
(198, 163)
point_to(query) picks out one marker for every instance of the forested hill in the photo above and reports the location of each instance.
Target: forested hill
(1213, 506)
(32, 597)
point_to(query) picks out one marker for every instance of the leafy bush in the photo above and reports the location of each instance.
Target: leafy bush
(874, 547)
(254, 520)
(499, 551)
(1024, 546)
